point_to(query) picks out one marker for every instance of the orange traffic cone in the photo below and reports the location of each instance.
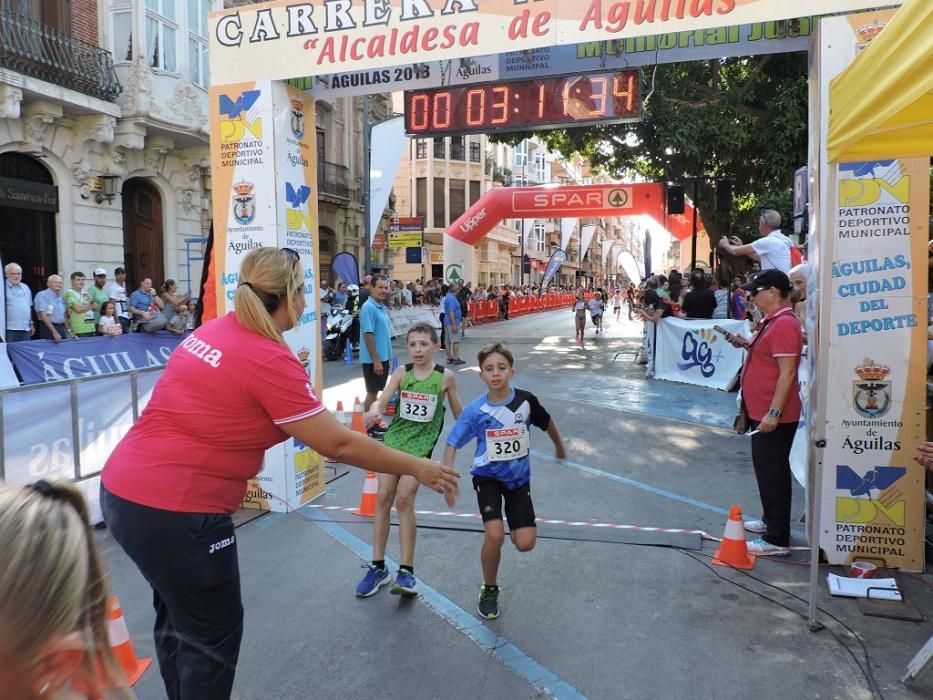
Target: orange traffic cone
(122, 647)
(356, 422)
(368, 499)
(733, 551)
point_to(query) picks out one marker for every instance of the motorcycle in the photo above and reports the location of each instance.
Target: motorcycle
(337, 332)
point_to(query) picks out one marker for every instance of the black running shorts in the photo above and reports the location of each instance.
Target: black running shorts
(374, 382)
(490, 493)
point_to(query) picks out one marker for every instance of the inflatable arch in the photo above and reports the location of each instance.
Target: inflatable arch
(579, 201)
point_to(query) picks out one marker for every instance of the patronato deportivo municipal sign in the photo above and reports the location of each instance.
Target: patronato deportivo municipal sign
(279, 40)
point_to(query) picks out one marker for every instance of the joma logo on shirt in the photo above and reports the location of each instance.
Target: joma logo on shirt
(203, 351)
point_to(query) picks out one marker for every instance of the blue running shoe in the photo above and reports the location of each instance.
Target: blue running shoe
(405, 583)
(372, 581)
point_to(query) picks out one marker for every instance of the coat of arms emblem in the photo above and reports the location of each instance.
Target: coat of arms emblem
(871, 395)
(244, 203)
(297, 121)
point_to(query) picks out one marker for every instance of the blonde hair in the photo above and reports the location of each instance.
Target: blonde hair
(268, 276)
(51, 575)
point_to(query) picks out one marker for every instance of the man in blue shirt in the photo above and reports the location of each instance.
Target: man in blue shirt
(453, 317)
(19, 325)
(140, 306)
(376, 342)
(50, 308)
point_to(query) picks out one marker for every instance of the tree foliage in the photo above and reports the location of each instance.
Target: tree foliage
(741, 119)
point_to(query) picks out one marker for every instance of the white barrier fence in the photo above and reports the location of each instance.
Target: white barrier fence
(70, 428)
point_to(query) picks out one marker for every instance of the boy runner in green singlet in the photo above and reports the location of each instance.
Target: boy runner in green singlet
(422, 387)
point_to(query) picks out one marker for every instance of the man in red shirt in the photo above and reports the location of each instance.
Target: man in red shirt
(772, 398)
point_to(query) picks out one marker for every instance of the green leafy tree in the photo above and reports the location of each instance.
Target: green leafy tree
(741, 119)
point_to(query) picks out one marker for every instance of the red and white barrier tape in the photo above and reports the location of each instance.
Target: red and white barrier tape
(546, 521)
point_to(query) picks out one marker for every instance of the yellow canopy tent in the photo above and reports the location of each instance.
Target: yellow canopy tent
(881, 106)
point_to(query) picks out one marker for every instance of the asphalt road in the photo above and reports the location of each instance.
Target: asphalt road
(594, 612)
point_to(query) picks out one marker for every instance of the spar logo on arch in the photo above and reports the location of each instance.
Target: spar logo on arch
(873, 497)
(239, 116)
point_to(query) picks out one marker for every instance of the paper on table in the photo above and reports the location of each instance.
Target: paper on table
(858, 587)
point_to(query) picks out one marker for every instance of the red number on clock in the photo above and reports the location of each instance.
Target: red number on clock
(500, 118)
(442, 113)
(623, 88)
(419, 112)
(476, 107)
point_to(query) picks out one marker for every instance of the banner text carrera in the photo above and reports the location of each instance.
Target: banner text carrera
(300, 19)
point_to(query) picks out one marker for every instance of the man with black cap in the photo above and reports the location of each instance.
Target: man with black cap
(771, 396)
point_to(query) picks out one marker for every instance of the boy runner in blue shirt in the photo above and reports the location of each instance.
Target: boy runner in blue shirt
(499, 421)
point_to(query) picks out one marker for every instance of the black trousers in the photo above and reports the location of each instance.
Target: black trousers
(443, 330)
(190, 560)
(771, 457)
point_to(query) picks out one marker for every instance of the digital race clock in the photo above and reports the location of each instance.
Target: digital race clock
(524, 105)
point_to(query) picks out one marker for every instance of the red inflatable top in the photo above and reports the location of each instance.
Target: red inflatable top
(579, 201)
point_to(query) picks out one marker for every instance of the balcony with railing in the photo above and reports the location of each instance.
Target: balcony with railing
(333, 180)
(37, 50)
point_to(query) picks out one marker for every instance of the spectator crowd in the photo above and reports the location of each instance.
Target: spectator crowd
(86, 310)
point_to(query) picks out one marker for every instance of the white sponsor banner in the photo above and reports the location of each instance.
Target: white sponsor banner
(800, 451)
(458, 261)
(567, 227)
(416, 76)
(386, 148)
(403, 319)
(693, 353)
(586, 237)
(608, 245)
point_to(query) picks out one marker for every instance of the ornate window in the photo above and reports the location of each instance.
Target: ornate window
(162, 35)
(197, 41)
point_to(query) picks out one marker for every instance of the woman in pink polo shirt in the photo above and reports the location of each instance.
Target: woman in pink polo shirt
(230, 391)
(772, 398)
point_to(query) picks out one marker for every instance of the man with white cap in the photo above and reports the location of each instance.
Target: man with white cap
(100, 295)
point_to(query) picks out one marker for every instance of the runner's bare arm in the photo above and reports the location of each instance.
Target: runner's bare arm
(450, 454)
(378, 408)
(554, 434)
(739, 250)
(453, 398)
(326, 436)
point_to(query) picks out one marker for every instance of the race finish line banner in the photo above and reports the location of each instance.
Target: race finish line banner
(692, 352)
(292, 39)
(264, 171)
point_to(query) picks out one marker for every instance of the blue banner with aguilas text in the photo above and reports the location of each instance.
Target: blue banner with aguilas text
(43, 361)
